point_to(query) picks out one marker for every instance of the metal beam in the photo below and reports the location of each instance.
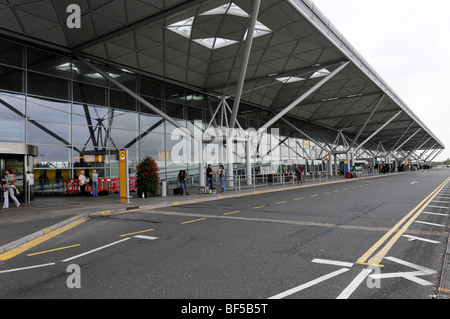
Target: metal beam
(407, 140)
(303, 97)
(248, 47)
(377, 131)
(137, 97)
(367, 121)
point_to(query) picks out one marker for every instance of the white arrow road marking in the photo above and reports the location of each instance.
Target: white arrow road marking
(412, 275)
(422, 239)
(309, 284)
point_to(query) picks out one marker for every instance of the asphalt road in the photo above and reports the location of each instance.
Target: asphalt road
(381, 238)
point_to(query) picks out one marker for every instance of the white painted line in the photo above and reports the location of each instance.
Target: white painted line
(354, 284)
(414, 182)
(332, 262)
(422, 239)
(440, 201)
(430, 213)
(26, 268)
(94, 250)
(309, 284)
(437, 206)
(426, 223)
(146, 237)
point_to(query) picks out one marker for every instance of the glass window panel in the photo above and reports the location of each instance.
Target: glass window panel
(90, 157)
(122, 100)
(174, 93)
(122, 119)
(39, 132)
(12, 130)
(90, 94)
(126, 78)
(53, 156)
(156, 103)
(83, 73)
(48, 86)
(151, 88)
(49, 63)
(12, 104)
(150, 122)
(48, 110)
(174, 110)
(11, 79)
(11, 53)
(82, 113)
(152, 141)
(194, 113)
(120, 139)
(93, 137)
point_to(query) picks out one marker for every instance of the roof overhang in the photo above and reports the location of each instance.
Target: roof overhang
(200, 44)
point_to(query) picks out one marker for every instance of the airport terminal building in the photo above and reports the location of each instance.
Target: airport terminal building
(82, 80)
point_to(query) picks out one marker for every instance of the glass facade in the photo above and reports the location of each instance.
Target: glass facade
(78, 120)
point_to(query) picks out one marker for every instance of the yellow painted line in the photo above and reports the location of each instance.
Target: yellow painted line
(259, 206)
(282, 202)
(337, 190)
(345, 189)
(300, 198)
(411, 216)
(52, 250)
(17, 251)
(369, 264)
(326, 193)
(193, 221)
(315, 195)
(138, 232)
(445, 290)
(232, 212)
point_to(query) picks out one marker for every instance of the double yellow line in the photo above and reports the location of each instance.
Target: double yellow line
(406, 221)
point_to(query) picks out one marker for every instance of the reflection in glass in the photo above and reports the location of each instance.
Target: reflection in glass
(48, 110)
(90, 115)
(49, 63)
(12, 130)
(12, 105)
(122, 100)
(11, 53)
(40, 132)
(52, 157)
(122, 119)
(90, 94)
(11, 79)
(44, 85)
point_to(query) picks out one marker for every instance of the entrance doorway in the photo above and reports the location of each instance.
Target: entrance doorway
(20, 159)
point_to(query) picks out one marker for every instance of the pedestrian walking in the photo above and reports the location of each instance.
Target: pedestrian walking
(9, 189)
(300, 171)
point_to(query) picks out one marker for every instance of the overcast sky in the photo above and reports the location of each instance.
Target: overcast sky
(407, 44)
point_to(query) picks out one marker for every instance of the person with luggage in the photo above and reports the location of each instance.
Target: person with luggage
(182, 182)
(8, 188)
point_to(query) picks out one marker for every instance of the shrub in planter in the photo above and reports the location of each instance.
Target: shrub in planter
(147, 177)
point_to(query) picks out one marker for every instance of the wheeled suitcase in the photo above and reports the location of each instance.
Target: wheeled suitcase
(178, 191)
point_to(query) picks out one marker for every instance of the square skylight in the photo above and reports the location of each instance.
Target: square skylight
(185, 27)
